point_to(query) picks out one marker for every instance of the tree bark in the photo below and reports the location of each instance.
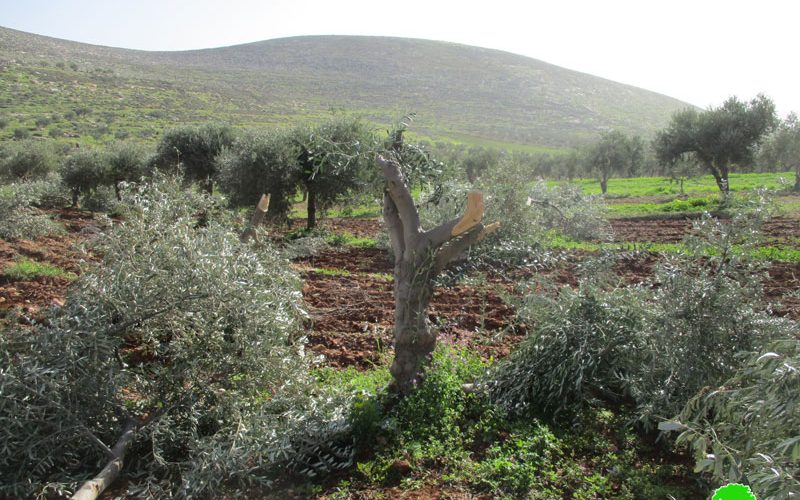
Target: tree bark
(413, 340)
(311, 220)
(721, 178)
(258, 217)
(796, 179)
(93, 488)
(604, 185)
(419, 256)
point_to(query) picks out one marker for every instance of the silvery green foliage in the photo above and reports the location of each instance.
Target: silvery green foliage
(748, 428)
(708, 307)
(46, 192)
(583, 341)
(565, 208)
(304, 247)
(19, 203)
(183, 329)
(528, 213)
(654, 346)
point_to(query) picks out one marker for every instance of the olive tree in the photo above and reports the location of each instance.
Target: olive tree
(28, 161)
(717, 138)
(419, 256)
(194, 149)
(260, 162)
(331, 156)
(126, 162)
(615, 153)
(782, 148)
(83, 172)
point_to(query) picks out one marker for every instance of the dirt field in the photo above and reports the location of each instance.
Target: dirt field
(348, 291)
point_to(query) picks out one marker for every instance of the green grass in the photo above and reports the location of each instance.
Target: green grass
(441, 436)
(327, 271)
(634, 187)
(690, 205)
(26, 270)
(773, 253)
(349, 240)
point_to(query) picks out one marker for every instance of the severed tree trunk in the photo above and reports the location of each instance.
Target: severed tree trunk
(419, 257)
(258, 217)
(93, 488)
(311, 194)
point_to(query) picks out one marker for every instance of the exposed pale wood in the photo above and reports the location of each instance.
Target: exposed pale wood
(258, 217)
(263, 204)
(472, 216)
(91, 489)
(494, 226)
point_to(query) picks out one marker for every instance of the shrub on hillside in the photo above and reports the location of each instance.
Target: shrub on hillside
(28, 161)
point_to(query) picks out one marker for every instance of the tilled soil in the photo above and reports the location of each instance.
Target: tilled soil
(672, 230)
(348, 291)
(352, 313)
(33, 295)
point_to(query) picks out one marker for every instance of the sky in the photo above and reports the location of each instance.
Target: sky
(699, 51)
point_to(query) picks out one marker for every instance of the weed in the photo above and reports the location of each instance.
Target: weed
(26, 270)
(348, 239)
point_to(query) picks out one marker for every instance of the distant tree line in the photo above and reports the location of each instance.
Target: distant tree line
(329, 161)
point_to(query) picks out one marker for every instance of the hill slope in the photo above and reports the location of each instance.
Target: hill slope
(459, 92)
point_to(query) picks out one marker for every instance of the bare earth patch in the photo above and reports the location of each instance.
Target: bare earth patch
(32, 296)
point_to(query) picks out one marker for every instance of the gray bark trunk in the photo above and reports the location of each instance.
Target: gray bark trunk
(419, 257)
(797, 179)
(413, 339)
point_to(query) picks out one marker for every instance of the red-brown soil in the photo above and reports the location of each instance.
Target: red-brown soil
(352, 313)
(671, 230)
(31, 296)
(351, 307)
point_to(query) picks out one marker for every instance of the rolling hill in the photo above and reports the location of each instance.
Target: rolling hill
(460, 93)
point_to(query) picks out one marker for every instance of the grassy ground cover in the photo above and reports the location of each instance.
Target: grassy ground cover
(634, 187)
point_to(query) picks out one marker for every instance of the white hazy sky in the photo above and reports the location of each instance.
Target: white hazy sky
(699, 51)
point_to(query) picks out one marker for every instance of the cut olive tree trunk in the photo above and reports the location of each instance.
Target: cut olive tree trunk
(93, 488)
(419, 257)
(258, 217)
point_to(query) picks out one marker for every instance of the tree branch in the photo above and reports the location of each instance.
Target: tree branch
(473, 214)
(91, 489)
(456, 247)
(394, 225)
(397, 189)
(494, 226)
(258, 217)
